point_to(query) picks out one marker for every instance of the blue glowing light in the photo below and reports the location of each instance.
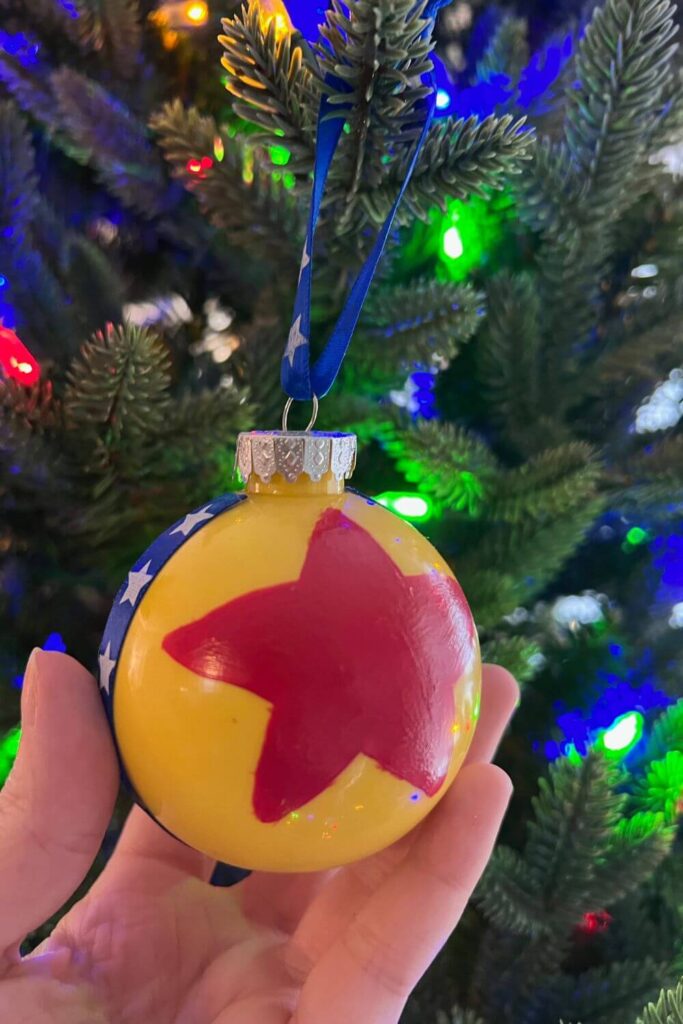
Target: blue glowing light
(54, 642)
(543, 70)
(3, 281)
(581, 729)
(70, 8)
(424, 395)
(485, 97)
(20, 47)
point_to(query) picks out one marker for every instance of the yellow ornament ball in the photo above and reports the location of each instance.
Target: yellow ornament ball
(292, 674)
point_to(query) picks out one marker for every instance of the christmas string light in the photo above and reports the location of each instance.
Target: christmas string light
(15, 359)
(274, 10)
(416, 508)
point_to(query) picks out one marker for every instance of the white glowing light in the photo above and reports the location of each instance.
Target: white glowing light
(577, 609)
(452, 244)
(412, 507)
(624, 731)
(645, 270)
(664, 407)
(676, 620)
(443, 99)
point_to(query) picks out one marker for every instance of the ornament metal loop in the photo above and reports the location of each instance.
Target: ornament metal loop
(288, 406)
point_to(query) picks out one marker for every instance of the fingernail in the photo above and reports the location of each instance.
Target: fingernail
(29, 705)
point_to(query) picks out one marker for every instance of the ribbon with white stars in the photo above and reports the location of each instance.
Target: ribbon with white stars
(300, 379)
(140, 578)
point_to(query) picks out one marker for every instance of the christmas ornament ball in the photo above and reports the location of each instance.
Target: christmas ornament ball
(292, 674)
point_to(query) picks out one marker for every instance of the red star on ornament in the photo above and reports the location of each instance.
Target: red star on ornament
(354, 657)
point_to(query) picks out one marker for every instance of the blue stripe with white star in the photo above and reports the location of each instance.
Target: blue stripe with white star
(138, 582)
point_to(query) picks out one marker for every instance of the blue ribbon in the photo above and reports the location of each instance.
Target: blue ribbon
(300, 380)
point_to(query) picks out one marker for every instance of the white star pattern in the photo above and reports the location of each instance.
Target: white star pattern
(107, 663)
(305, 259)
(295, 341)
(191, 520)
(137, 581)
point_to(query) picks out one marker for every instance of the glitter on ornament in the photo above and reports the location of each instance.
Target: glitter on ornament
(15, 359)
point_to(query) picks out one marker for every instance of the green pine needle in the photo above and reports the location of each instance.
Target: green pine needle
(667, 1010)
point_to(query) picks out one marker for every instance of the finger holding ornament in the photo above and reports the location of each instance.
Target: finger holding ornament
(332, 908)
(58, 799)
(374, 964)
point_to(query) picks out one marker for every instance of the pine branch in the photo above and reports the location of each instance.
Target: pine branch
(273, 86)
(638, 846)
(515, 653)
(445, 461)
(96, 290)
(257, 215)
(459, 158)
(656, 475)
(112, 27)
(117, 401)
(632, 365)
(114, 141)
(31, 91)
(548, 888)
(667, 1010)
(379, 51)
(660, 790)
(425, 322)
(491, 593)
(547, 486)
(548, 187)
(506, 898)
(666, 733)
(607, 995)
(507, 52)
(458, 1015)
(509, 363)
(18, 181)
(623, 65)
(528, 553)
(50, 15)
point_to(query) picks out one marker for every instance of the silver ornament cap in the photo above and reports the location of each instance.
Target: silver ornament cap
(295, 453)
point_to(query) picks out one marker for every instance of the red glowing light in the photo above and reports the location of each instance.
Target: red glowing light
(199, 166)
(595, 922)
(16, 360)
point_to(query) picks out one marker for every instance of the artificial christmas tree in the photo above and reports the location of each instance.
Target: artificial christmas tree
(515, 375)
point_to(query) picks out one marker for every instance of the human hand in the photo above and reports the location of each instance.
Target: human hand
(154, 943)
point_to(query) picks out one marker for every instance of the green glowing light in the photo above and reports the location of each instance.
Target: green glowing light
(280, 155)
(218, 148)
(9, 744)
(452, 244)
(623, 734)
(414, 507)
(572, 754)
(636, 535)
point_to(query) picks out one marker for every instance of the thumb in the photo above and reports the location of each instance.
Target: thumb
(58, 800)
